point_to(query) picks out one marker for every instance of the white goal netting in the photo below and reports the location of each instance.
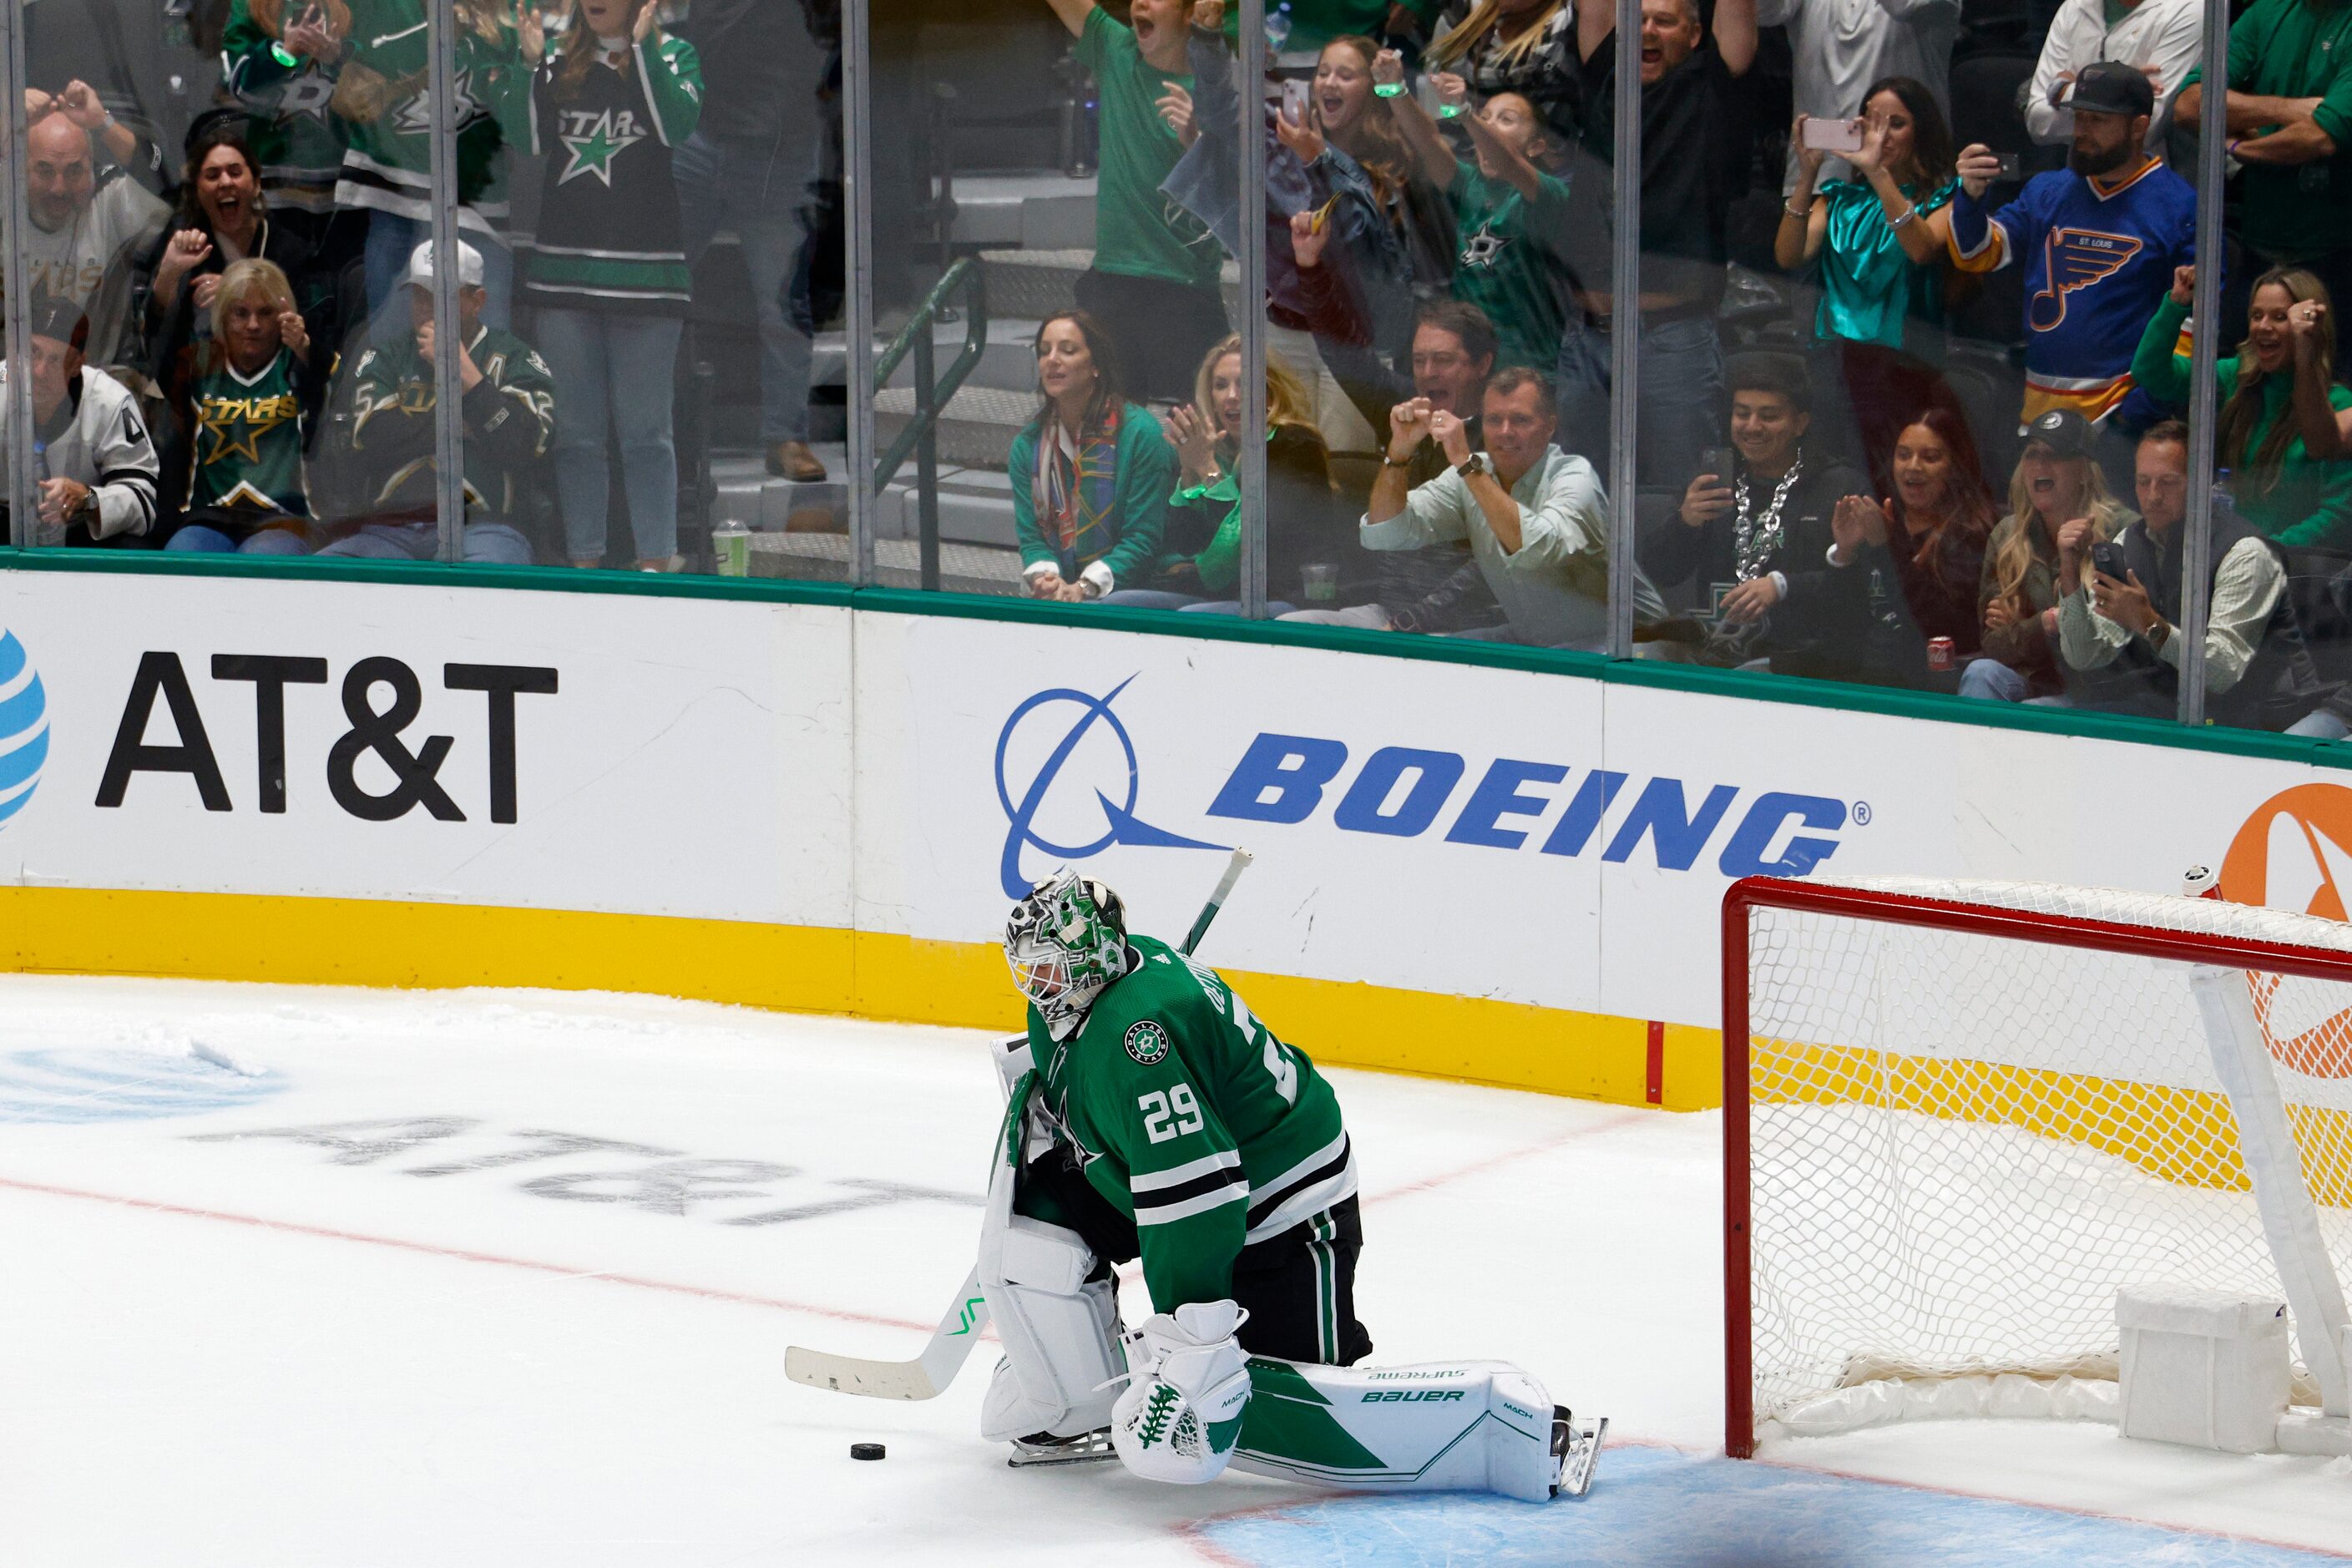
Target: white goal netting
(1962, 1145)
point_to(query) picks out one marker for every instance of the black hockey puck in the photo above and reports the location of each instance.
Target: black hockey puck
(866, 1450)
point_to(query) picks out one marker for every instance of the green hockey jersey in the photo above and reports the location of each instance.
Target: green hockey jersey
(1189, 1114)
(246, 433)
(294, 131)
(381, 95)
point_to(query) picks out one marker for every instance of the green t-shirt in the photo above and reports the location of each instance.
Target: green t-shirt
(2293, 49)
(1138, 232)
(1507, 263)
(1189, 1115)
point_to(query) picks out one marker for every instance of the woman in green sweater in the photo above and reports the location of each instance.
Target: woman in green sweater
(1091, 473)
(2279, 488)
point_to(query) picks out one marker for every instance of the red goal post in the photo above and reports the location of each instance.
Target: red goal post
(1887, 1043)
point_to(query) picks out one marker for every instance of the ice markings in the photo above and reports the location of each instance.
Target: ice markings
(655, 1180)
(93, 1084)
(1659, 1509)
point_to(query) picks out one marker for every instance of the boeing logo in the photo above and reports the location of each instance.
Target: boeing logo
(24, 727)
(1401, 792)
(1066, 718)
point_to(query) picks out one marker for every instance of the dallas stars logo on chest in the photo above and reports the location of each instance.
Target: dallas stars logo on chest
(306, 97)
(1485, 247)
(594, 140)
(414, 115)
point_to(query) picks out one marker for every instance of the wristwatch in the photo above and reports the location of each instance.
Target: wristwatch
(1389, 462)
(1475, 463)
(2159, 634)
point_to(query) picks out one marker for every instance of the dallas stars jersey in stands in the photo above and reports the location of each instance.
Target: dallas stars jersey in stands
(609, 236)
(246, 436)
(2098, 255)
(295, 134)
(380, 93)
(1189, 1115)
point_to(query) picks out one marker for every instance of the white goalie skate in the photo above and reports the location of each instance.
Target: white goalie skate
(1577, 1444)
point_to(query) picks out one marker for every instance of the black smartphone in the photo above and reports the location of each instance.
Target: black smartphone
(2109, 558)
(1717, 460)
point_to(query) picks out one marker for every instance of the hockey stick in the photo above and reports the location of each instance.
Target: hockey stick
(928, 1375)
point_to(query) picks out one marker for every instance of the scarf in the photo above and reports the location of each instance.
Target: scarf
(1076, 490)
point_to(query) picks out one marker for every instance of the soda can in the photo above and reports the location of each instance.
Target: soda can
(1939, 652)
(731, 546)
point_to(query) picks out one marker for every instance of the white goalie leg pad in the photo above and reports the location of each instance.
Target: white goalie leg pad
(1060, 1331)
(1181, 1415)
(1447, 1426)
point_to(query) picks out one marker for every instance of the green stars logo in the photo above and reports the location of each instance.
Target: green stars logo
(1147, 1042)
(593, 141)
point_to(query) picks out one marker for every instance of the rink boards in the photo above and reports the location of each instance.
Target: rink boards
(818, 800)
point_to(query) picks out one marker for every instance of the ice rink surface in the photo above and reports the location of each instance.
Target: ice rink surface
(315, 1276)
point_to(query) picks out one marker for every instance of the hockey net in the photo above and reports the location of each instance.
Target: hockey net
(1960, 1116)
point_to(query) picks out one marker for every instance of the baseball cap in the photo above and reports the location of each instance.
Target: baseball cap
(2062, 432)
(470, 265)
(2111, 87)
(57, 318)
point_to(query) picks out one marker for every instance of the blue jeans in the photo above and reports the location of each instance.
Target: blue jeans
(1680, 400)
(195, 536)
(2320, 725)
(1994, 682)
(614, 371)
(392, 239)
(487, 543)
(755, 189)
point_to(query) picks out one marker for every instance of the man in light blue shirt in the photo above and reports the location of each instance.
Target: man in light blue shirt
(1535, 516)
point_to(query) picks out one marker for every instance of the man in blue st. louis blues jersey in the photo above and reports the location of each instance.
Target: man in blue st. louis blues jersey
(2098, 241)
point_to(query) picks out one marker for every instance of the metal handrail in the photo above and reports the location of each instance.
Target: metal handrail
(931, 397)
(921, 436)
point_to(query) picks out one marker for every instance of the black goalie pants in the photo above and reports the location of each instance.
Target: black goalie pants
(1298, 1286)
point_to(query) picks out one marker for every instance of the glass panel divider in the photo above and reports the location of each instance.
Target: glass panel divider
(1251, 448)
(448, 411)
(2204, 395)
(1625, 320)
(19, 432)
(857, 179)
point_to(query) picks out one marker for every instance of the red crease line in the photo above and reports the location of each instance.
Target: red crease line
(464, 1254)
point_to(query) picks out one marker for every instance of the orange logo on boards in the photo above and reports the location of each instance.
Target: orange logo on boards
(2294, 853)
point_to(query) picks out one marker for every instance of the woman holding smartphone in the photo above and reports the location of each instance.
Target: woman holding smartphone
(1877, 238)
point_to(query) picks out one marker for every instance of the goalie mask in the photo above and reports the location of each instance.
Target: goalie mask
(1065, 940)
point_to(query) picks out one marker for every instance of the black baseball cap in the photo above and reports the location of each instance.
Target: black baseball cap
(2111, 87)
(2062, 432)
(58, 319)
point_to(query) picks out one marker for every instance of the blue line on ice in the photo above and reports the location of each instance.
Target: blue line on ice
(1660, 1509)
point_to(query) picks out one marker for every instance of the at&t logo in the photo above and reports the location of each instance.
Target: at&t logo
(24, 727)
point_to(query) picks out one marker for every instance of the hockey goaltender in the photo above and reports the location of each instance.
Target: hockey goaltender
(1157, 1117)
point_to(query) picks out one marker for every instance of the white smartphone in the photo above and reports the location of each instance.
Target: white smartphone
(1833, 136)
(1294, 101)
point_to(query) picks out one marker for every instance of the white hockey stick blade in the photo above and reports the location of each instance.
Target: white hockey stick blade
(1583, 1453)
(925, 1377)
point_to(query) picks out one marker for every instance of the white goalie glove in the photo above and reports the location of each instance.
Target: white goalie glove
(1181, 1414)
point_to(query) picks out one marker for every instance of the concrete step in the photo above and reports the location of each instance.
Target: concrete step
(1040, 211)
(824, 558)
(1008, 359)
(1040, 283)
(975, 504)
(976, 430)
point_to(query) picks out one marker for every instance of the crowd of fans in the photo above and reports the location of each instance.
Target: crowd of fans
(1912, 322)
(234, 345)
(1923, 425)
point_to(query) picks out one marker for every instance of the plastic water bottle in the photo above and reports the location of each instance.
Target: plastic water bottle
(2225, 503)
(1277, 27)
(44, 534)
(731, 548)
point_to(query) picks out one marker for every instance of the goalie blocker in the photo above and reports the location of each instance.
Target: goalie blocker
(1167, 1122)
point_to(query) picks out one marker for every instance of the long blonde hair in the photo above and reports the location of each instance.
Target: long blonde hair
(2263, 467)
(1484, 18)
(1374, 141)
(269, 15)
(2012, 539)
(1285, 395)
